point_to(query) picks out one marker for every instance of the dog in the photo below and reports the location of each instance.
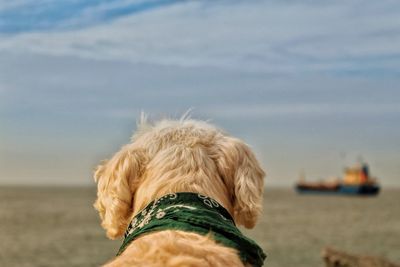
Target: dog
(181, 166)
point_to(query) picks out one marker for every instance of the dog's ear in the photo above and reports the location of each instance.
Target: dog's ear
(117, 181)
(244, 176)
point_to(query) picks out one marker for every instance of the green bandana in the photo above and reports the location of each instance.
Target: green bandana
(193, 212)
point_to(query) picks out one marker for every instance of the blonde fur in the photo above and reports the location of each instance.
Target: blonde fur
(178, 156)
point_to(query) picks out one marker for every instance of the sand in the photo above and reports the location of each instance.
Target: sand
(45, 226)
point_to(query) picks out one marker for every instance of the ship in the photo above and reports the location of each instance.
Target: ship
(356, 181)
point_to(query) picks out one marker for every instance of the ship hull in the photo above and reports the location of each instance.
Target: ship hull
(339, 190)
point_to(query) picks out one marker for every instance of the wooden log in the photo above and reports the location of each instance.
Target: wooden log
(336, 258)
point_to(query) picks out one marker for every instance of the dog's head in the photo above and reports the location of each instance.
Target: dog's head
(173, 156)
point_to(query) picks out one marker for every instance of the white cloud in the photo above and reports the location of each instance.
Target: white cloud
(7, 5)
(301, 109)
(268, 36)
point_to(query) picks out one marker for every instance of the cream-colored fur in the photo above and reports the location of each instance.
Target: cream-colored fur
(178, 156)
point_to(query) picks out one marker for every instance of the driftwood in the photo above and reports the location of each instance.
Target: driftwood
(335, 258)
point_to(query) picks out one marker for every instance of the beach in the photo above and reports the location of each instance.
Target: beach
(58, 226)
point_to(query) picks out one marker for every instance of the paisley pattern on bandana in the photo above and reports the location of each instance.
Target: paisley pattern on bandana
(193, 213)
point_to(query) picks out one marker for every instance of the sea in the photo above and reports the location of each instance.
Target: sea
(58, 226)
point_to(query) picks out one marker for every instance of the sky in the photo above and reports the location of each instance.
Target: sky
(312, 86)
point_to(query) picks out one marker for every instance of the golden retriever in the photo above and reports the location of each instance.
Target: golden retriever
(171, 156)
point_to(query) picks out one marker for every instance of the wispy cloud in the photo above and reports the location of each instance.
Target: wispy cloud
(303, 110)
(258, 36)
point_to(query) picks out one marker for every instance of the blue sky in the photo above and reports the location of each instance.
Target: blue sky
(49, 15)
(311, 85)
